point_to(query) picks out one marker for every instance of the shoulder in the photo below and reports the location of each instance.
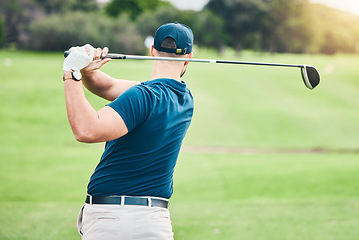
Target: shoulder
(137, 91)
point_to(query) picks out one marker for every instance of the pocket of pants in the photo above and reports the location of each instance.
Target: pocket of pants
(161, 227)
(100, 219)
(160, 213)
(161, 217)
(80, 220)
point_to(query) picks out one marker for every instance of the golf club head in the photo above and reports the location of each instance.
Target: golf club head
(310, 76)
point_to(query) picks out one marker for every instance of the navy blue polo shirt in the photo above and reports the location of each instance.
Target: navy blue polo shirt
(157, 114)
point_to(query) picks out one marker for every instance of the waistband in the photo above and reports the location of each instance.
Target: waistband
(128, 200)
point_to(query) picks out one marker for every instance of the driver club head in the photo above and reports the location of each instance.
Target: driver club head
(310, 76)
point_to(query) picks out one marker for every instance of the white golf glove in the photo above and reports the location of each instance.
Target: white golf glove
(78, 58)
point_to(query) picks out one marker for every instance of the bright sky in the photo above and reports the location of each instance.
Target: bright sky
(189, 4)
(346, 5)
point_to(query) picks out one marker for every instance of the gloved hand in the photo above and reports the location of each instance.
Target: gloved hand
(78, 58)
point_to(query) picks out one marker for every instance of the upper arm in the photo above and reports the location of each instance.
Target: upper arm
(109, 126)
(120, 116)
(118, 87)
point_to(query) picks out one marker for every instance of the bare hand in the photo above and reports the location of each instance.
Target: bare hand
(97, 61)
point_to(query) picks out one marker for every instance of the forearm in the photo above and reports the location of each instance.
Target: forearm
(81, 115)
(98, 82)
(104, 85)
(89, 125)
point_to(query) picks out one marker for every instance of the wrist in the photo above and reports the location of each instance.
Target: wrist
(87, 73)
(72, 75)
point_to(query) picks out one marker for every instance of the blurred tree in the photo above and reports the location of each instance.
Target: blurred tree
(292, 29)
(336, 31)
(269, 25)
(207, 27)
(208, 30)
(10, 10)
(132, 7)
(274, 25)
(62, 31)
(246, 21)
(2, 32)
(60, 6)
(148, 22)
(17, 15)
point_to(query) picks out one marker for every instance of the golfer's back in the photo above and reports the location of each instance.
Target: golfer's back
(157, 114)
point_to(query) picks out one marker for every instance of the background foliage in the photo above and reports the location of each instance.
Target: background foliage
(132, 7)
(262, 25)
(74, 29)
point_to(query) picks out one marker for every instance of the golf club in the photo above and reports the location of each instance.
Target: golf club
(310, 74)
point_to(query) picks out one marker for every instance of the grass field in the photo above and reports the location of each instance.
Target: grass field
(265, 158)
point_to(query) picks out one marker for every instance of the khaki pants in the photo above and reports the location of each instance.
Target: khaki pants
(116, 222)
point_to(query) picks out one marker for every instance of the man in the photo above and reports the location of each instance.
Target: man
(143, 126)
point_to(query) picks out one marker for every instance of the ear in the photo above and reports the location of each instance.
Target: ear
(190, 55)
(152, 51)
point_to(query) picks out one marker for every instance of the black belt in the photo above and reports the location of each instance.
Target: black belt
(117, 200)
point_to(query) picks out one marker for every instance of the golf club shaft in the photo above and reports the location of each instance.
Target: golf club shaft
(138, 57)
(310, 74)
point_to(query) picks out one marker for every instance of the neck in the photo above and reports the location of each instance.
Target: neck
(167, 69)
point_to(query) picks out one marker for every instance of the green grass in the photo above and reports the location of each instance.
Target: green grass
(267, 196)
(274, 191)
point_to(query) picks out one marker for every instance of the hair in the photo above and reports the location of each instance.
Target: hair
(169, 43)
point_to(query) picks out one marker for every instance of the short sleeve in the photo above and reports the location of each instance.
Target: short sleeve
(134, 106)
